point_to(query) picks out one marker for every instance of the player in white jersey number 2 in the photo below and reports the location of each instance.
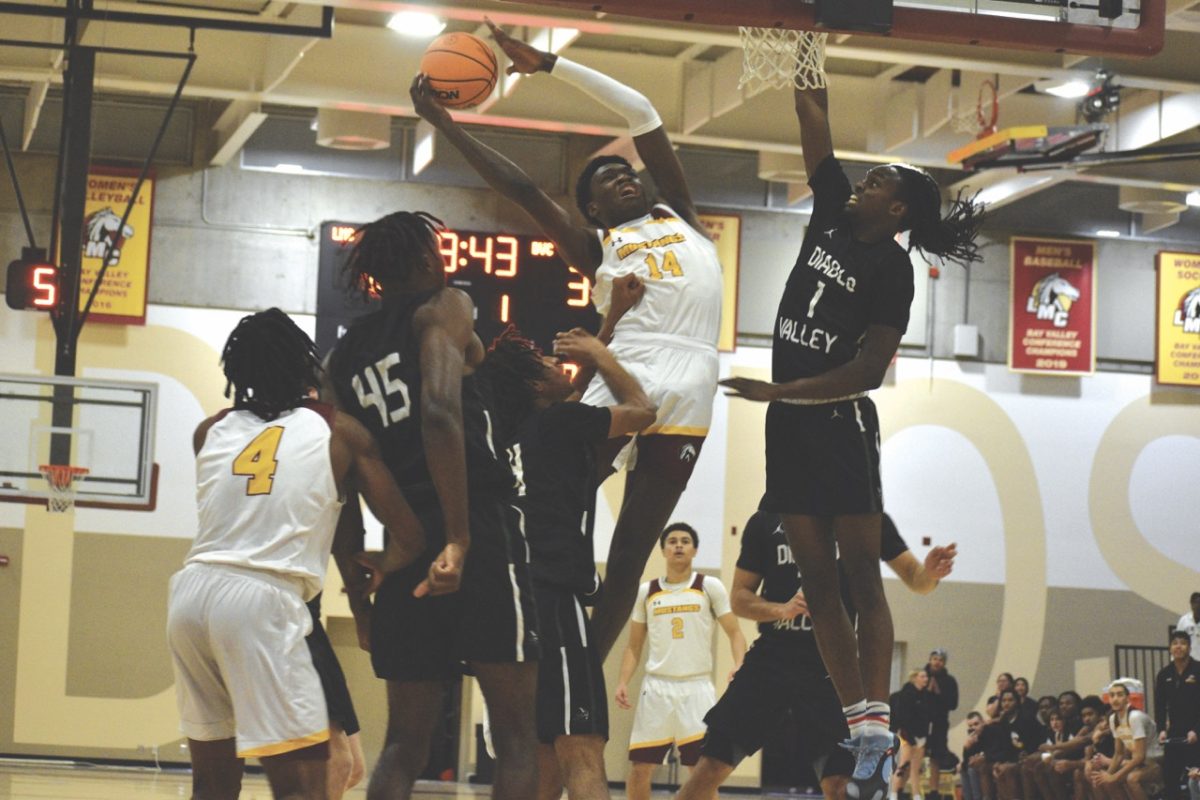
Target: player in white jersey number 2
(270, 475)
(676, 614)
(667, 340)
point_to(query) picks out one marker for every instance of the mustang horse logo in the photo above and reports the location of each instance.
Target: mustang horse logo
(1052, 298)
(103, 227)
(1187, 316)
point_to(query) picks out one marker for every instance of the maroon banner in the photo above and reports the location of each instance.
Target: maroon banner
(1052, 307)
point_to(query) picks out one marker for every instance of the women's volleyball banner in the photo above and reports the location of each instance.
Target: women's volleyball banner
(1052, 307)
(121, 297)
(1177, 319)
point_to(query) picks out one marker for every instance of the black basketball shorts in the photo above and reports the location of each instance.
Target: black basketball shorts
(571, 699)
(772, 681)
(492, 618)
(823, 460)
(329, 669)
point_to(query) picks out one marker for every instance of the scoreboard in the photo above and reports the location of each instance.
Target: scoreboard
(514, 278)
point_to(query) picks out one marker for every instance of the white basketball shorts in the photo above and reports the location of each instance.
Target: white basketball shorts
(679, 377)
(670, 711)
(242, 667)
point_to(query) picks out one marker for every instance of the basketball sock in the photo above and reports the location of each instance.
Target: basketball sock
(877, 719)
(856, 717)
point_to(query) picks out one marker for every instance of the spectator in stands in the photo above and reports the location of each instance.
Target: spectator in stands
(1190, 622)
(1177, 712)
(1028, 704)
(968, 776)
(1194, 783)
(943, 692)
(1068, 706)
(1099, 756)
(1136, 745)
(1045, 704)
(1023, 735)
(1067, 759)
(1003, 681)
(912, 720)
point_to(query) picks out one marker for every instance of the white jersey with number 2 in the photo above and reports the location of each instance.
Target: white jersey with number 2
(679, 624)
(266, 494)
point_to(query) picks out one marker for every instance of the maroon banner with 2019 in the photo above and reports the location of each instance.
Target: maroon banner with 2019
(1052, 307)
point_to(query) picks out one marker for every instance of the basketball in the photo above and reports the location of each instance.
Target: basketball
(461, 69)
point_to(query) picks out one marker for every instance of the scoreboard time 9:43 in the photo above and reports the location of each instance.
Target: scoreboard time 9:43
(514, 278)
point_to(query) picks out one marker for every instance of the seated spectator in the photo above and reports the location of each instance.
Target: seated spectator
(912, 721)
(1099, 756)
(1046, 704)
(1028, 704)
(1069, 758)
(1068, 706)
(967, 775)
(1135, 746)
(1003, 681)
(1037, 773)
(1023, 734)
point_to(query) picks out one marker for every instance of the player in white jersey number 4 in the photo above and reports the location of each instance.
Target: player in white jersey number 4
(840, 320)
(270, 477)
(676, 614)
(668, 340)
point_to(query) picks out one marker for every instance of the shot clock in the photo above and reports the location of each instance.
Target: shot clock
(31, 283)
(514, 278)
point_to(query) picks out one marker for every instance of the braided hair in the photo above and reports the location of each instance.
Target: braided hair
(389, 249)
(512, 366)
(583, 186)
(950, 238)
(270, 364)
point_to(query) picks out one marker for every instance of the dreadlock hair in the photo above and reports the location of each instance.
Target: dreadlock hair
(512, 365)
(270, 364)
(389, 249)
(583, 186)
(950, 238)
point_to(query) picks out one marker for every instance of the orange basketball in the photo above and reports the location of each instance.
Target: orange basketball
(461, 69)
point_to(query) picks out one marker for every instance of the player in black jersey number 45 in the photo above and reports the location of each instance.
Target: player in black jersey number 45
(842, 314)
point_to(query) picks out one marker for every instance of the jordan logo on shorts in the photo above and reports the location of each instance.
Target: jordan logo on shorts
(836, 414)
(687, 452)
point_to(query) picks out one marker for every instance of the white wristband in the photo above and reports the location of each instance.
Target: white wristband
(631, 104)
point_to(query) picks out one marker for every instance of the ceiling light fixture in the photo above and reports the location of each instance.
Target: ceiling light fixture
(417, 24)
(1193, 199)
(1071, 89)
(1109, 234)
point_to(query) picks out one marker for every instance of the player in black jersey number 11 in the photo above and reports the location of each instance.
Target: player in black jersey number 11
(842, 314)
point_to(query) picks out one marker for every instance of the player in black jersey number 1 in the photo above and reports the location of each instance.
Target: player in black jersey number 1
(840, 320)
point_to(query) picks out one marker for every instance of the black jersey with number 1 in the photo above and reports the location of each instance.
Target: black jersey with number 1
(765, 551)
(553, 463)
(838, 287)
(376, 373)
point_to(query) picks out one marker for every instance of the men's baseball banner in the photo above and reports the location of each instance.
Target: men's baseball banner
(122, 295)
(1177, 319)
(1052, 307)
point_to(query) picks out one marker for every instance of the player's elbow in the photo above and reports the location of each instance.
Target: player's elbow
(644, 414)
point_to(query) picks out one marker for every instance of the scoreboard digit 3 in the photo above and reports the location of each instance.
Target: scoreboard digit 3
(514, 278)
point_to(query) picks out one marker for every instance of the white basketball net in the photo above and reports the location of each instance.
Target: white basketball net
(60, 480)
(779, 58)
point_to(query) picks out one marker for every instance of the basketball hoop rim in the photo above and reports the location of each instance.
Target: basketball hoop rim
(61, 475)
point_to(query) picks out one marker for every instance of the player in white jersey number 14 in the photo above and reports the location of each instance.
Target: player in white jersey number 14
(667, 340)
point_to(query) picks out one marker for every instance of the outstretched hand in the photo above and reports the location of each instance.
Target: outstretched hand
(939, 562)
(750, 389)
(525, 59)
(425, 104)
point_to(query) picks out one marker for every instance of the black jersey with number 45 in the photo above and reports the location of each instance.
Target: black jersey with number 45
(376, 373)
(765, 552)
(838, 287)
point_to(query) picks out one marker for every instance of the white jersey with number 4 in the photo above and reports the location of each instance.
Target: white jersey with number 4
(679, 624)
(679, 266)
(266, 494)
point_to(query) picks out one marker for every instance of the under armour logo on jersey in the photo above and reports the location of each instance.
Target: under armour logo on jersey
(687, 452)
(829, 233)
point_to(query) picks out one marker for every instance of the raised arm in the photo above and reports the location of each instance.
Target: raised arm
(578, 244)
(649, 135)
(444, 331)
(923, 578)
(633, 410)
(812, 111)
